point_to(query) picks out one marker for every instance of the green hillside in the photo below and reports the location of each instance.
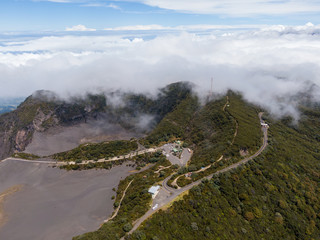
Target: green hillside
(275, 196)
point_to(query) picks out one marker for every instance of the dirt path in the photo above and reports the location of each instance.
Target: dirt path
(118, 208)
(162, 168)
(174, 182)
(3, 197)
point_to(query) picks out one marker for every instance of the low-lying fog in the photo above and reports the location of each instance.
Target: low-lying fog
(269, 65)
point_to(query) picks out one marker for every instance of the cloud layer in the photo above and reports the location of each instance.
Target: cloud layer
(269, 66)
(231, 7)
(80, 28)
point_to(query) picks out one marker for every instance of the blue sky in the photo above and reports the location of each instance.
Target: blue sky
(57, 15)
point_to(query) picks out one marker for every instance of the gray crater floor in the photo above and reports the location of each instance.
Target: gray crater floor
(56, 204)
(60, 139)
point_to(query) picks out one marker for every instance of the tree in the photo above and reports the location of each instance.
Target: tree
(249, 216)
(127, 227)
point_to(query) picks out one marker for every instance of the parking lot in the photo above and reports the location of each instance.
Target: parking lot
(185, 155)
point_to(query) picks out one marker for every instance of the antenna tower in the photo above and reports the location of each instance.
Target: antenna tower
(211, 87)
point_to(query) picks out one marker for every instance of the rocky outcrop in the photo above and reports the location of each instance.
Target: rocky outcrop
(23, 138)
(40, 112)
(44, 110)
(43, 121)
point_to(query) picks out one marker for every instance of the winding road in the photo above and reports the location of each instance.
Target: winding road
(174, 193)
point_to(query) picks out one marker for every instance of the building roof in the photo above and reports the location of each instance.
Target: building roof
(154, 189)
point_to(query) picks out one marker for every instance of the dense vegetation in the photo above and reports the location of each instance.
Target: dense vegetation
(212, 133)
(134, 205)
(174, 124)
(95, 151)
(275, 196)
(248, 138)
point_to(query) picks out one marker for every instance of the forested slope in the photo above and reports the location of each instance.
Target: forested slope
(275, 196)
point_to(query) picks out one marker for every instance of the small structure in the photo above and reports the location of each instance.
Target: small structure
(175, 150)
(154, 190)
(188, 175)
(264, 124)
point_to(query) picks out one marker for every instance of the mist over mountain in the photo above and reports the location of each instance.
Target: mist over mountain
(94, 116)
(159, 120)
(269, 66)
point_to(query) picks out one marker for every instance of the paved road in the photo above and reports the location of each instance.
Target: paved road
(31, 161)
(173, 193)
(118, 158)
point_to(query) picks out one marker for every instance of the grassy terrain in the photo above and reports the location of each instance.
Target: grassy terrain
(134, 205)
(276, 196)
(95, 151)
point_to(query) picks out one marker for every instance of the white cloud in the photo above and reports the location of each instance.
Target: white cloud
(238, 8)
(139, 27)
(80, 28)
(111, 5)
(198, 27)
(269, 66)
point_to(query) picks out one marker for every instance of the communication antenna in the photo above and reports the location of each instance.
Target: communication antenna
(211, 93)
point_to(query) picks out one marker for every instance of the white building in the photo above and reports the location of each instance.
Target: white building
(154, 190)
